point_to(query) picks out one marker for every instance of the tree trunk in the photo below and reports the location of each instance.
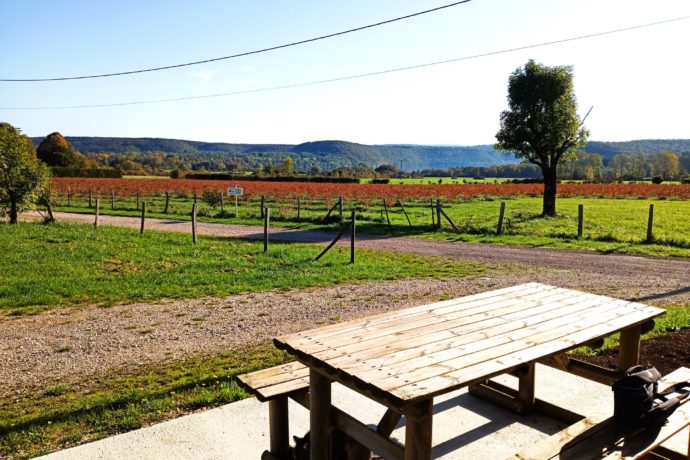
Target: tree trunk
(549, 206)
(13, 211)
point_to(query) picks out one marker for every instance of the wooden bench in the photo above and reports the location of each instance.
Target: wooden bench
(274, 385)
(607, 439)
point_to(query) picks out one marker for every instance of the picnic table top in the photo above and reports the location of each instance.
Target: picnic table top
(416, 353)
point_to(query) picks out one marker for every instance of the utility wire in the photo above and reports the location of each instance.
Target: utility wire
(233, 56)
(352, 77)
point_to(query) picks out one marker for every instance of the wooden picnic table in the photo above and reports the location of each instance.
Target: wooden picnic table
(402, 359)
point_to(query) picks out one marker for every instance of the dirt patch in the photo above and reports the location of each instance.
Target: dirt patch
(666, 353)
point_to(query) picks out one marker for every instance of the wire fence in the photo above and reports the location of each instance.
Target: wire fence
(613, 220)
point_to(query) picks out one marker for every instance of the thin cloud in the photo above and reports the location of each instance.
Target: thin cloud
(247, 68)
(206, 74)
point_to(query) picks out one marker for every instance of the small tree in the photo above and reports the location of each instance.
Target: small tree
(22, 176)
(541, 124)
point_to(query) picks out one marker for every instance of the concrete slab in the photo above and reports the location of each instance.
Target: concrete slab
(465, 427)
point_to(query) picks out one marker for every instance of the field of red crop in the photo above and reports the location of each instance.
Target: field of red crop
(366, 191)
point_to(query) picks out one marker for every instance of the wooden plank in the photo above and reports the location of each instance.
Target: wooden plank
(391, 320)
(434, 341)
(524, 352)
(418, 432)
(274, 375)
(475, 311)
(345, 327)
(285, 388)
(459, 344)
(490, 349)
(646, 441)
(424, 332)
(358, 431)
(550, 446)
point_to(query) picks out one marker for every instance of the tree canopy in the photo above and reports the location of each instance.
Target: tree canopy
(541, 124)
(22, 176)
(55, 150)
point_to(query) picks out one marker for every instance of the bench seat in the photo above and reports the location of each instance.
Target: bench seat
(277, 381)
(593, 438)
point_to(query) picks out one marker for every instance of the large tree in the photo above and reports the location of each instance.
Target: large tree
(55, 150)
(22, 176)
(541, 124)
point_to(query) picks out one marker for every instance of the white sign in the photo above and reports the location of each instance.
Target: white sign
(235, 191)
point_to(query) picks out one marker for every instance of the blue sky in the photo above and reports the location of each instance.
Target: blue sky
(636, 80)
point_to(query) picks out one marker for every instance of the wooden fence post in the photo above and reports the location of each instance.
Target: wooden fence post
(499, 229)
(95, 221)
(299, 208)
(167, 201)
(340, 208)
(143, 217)
(112, 199)
(263, 201)
(409, 222)
(137, 200)
(267, 217)
(580, 219)
(69, 196)
(385, 207)
(194, 223)
(352, 237)
(650, 224)
(433, 214)
(194, 196)
(438, 214)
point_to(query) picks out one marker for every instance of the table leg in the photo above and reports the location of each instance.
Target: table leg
(418, 432)
(526, 388)
(279, 426)
(629, 348)
(319, 416)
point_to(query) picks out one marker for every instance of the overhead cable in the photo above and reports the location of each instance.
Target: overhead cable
(233, 56)
(351, 77)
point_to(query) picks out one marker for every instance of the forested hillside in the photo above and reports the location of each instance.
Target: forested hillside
(155, 155)
(320, 155)
(646, 146)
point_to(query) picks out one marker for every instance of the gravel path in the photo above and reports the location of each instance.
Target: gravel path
(71, 344)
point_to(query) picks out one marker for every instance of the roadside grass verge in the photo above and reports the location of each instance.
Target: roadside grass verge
(66, 414)
(48, 265)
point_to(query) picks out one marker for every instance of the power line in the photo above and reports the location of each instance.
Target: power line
(352, 77)
(233, 56)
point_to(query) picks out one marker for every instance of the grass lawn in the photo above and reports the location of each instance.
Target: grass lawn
(65, 415)
(48, 265)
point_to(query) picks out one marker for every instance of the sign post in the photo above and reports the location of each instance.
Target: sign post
(235, 191)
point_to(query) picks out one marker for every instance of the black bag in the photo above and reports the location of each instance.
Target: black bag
(637, 401)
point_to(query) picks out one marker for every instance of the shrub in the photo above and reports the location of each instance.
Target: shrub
(657, 179)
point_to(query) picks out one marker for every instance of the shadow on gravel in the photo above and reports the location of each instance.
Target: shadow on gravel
(662, 295)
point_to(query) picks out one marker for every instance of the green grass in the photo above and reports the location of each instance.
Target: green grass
(47, 265)
(64, 415)
(610, 225)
